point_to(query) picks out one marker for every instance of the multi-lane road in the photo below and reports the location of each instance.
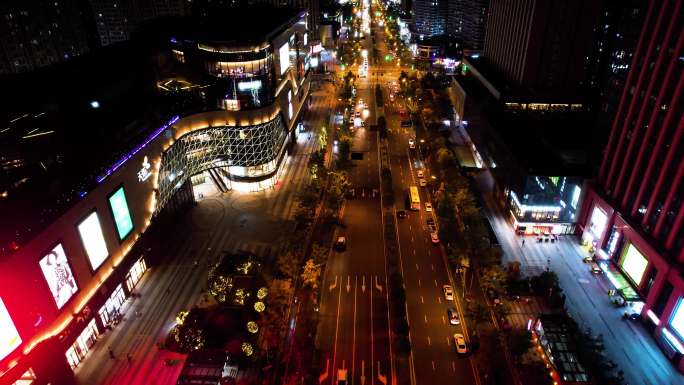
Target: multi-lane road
(354, 331)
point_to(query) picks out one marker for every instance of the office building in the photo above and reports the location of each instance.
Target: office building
(466, 20)
(633, 215)
(35, 34)
(429, 17)
(542, 45)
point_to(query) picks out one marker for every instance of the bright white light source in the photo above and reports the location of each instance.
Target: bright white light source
(95, 104)
(364, 53)
(253, 85)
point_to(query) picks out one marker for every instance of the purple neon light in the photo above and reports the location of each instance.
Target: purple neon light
(134, 151)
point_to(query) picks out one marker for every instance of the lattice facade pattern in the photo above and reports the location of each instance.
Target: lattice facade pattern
(222, 146)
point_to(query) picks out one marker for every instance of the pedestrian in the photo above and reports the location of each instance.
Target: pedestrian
(111, 353)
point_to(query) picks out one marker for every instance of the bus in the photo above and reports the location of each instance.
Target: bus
(415, 198)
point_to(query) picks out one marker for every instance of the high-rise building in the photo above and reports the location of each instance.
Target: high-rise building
(429, 17)
(541, 44)
(633, 214)
(466, 20)
(34, 34)
(116, 20)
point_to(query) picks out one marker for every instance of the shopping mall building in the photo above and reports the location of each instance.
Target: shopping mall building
(66, 276)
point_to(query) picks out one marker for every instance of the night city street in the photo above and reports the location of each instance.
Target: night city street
(342, 192)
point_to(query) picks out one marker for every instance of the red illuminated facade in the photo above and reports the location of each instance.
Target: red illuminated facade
(633, 214)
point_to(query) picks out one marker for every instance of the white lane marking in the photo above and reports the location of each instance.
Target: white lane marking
(421, 299)
(334, 285)
(414, 251)
(417, 268)
(348, 284)
(433, 268)
(448, 341)
(453, 366)
(419, 285)
(425, 315)
(439, 299)
(433, 365)
(435, 283)
(444, 321)
(429, 341)
(363, 284)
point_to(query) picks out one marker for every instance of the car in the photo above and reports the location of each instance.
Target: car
(341, 244)
(430, 221)
(421, 174)
(448, 292)
(595, 268)
(412, 143)
(401, 213)
(434, 237)
(588, 259)
(460, 343)
(454, 319)
(428, 206)
(342, 377)
(422, 183)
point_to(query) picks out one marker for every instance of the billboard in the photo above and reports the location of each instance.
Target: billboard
(121, 213)
(58, 275)
(9, 337)
(93, 240)
(677, 320)
(284, 56)
(634, 264)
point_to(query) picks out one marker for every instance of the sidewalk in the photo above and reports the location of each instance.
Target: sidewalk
(627, 343)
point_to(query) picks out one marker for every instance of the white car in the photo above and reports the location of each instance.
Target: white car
(421, 174)
(412, 143)
(428, 206)
(448, 292)
(460, 343)
(434, 237)
(422, 183)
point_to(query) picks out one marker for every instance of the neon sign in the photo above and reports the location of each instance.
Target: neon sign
(144, 172)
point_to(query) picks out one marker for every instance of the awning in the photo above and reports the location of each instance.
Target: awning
(619, 281)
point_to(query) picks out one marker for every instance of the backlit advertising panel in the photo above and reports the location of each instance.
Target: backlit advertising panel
(93, 240)
(634, 264)
(58, 275)
(9, 337)
(284, 56)
(677, 320)
(121, 213)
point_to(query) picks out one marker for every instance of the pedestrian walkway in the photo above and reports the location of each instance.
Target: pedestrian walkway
(627, 343)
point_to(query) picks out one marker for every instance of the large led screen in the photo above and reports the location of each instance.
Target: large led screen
(598, 221)
(122, 216)
(677, 320)
(93, 240)
(58, 275)
(634, 264)
(9, 337)
(284, 56)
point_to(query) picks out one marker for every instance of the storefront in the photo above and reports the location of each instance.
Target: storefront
(28, 378)
(80, 348)
(625, 277)
(134, 275)
(596, 227)
(672, 335)
(111, 311)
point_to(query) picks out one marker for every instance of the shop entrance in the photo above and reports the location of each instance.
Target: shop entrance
(78, 350)
(112, 309)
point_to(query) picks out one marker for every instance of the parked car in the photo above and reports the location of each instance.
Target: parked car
(422, 183)
(448, 292)
(434, 237)
(595, 268)
(454, 319)
(460, 343)
(428, 206)
(412, 143)
(421, 174)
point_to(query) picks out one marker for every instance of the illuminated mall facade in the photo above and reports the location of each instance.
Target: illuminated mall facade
(68, 284)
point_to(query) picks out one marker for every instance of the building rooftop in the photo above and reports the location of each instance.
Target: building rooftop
(544, 146)
(254, 25)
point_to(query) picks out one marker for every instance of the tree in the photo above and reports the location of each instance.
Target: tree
(311, 274)
(288, 264)
(494, 278)
(382, 126)
(444, 157)
(279, 293)
(478, 313)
